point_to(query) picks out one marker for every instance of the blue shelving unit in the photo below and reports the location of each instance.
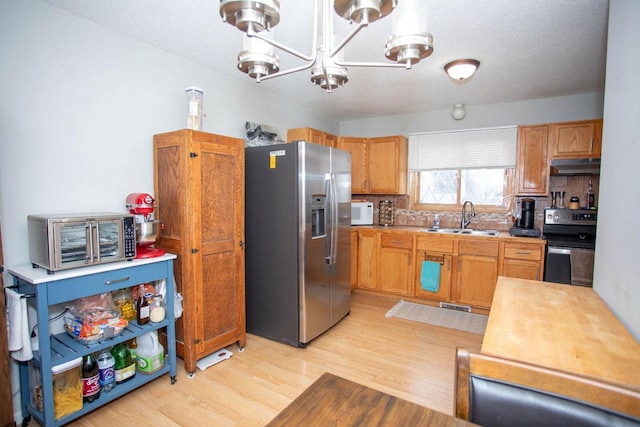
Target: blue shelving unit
(45, 290)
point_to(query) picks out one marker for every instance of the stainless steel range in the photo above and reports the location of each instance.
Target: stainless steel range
(571, 242)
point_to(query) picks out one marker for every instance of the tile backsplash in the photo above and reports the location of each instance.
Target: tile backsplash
(571, 185)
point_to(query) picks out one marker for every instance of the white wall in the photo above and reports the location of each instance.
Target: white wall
(79, 106)
(559, 109)
(617, 268)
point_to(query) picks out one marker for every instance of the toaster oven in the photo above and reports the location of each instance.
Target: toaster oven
(62, 241)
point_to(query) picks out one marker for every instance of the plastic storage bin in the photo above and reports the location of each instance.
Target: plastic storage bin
(67, 388)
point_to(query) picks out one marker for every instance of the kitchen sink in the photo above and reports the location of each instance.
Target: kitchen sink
(465, 231)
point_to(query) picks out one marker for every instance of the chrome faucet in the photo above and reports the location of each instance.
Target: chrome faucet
(466, 217)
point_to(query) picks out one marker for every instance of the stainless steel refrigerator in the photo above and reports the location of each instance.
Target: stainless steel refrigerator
(298, 219)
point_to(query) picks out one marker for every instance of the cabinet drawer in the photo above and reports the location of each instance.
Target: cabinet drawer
(531, 252)
(476, 247)
(435, 244)
(390, 240)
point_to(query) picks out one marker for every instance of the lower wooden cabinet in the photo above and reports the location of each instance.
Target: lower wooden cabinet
(390, 262)
(354, 259)
(367, 242)
(435, 249)
(523, 261)
(477, 272)
(395, 263)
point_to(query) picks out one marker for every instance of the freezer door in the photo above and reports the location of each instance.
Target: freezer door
(315, 231)
(341, 269)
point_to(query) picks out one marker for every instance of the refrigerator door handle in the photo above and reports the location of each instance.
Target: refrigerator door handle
(328, 218)
(334, 220)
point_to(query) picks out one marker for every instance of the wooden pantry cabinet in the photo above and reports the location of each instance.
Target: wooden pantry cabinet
(580, 139)
(532, 161)
(199, 190)
(378, 165)
(312, 135)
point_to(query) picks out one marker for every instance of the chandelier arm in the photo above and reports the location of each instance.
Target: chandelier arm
(289, 71)
(252, 33)
(347, 39)
(285, 48)
(326, 75)
(370, 64)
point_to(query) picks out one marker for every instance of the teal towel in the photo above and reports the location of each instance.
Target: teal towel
(430, 276)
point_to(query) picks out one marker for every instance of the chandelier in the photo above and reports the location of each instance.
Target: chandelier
(408, 44)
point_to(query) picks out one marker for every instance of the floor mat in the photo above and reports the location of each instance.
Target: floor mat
(470, 322)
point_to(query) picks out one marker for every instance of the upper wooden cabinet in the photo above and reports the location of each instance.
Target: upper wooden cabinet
(570, 140)
(378, 165)
(532, 162)
(357, 147)
(312, 135)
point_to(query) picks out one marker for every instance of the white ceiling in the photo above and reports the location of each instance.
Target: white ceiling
(528, 49)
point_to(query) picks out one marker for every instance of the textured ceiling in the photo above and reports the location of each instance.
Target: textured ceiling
(528, 49)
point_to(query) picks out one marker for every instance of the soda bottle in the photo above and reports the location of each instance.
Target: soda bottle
(124, 368)
(106, 370)
(90, 379)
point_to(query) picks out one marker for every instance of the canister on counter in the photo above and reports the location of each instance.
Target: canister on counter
(574, 203)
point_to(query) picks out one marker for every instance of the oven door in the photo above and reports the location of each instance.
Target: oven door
(572, 266)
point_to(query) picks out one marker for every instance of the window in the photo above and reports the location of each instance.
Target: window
(448, 168)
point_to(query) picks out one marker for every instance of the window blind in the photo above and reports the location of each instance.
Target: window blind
(465, 149)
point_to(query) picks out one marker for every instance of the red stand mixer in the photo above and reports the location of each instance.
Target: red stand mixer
(147, 230)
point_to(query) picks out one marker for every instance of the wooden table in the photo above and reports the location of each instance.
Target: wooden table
(562, 327)
(333, 401)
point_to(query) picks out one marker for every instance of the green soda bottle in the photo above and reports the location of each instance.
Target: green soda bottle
(124, 367)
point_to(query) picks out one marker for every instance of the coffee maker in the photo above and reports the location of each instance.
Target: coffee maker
(147, 230)
(524, 226)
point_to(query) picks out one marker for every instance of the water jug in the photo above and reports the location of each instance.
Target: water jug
(150, 353)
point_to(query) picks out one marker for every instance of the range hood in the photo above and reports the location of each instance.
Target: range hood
(588, 166)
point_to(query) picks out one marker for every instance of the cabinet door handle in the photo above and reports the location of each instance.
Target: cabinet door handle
(408, 259)
(449, 265)
(523, 253)
(591, 144)
(537, 273)
(111, 282)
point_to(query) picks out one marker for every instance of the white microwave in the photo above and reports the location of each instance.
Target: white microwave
(361, 213)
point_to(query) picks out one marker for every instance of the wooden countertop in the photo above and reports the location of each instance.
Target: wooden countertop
(334, 401)
(562, 327)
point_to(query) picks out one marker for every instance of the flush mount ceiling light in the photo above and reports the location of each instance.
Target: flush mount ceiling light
(462, 69)
(458, 112)
(408, 44)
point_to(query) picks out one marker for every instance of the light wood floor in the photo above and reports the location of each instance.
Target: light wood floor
(407, 359)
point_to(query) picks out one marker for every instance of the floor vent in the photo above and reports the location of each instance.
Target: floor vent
(457, 307)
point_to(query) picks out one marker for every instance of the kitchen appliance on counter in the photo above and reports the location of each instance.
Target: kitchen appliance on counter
(63, 241)
(147, 229)
(298, 217)
(386, 213)
(571, 241)
(361, 213)
(524, 226)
